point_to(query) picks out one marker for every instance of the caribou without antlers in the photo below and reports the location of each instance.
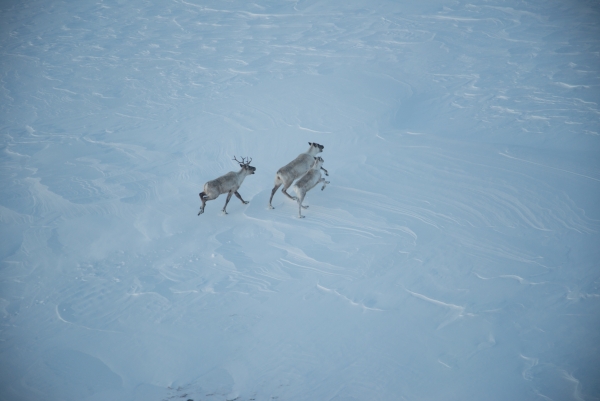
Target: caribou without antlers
(228, 183)
(308, 181)
(294, 169)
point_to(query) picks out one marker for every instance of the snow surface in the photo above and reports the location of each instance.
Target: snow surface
(455, 255)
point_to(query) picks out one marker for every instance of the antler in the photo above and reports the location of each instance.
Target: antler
(244, 162)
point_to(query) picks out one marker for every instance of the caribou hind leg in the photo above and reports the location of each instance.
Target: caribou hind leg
(278, 182)
(273, 194)
(205, 198)
(301, 206)
(284, 190)
(202, 195)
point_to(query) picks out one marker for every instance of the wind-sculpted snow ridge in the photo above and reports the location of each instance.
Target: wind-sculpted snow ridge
(453, 255)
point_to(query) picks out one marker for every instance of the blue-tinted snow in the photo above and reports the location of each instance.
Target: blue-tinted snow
(454, 256)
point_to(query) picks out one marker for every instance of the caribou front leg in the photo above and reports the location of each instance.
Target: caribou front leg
(240, 198)
(226, 202)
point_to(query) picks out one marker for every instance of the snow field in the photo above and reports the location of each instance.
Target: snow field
(453, 256)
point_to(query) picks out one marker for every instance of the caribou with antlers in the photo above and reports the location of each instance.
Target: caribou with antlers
(228, 183)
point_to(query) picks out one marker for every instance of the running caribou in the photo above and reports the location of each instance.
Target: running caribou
(228, 183)
(308, 181)
(294, 169)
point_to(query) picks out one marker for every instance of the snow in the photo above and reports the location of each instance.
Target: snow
(453, 256)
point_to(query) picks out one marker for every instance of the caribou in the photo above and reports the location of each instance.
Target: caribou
(228, 183)
(308, 181)
(294, 169)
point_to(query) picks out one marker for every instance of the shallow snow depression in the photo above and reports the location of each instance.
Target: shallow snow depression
(454, 255)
